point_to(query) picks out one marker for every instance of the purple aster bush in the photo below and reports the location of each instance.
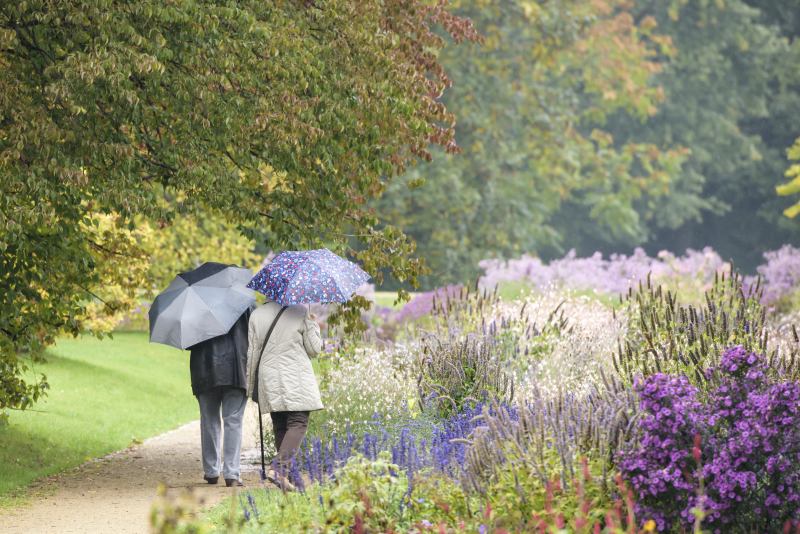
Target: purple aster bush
(659, 467)
(749, 430)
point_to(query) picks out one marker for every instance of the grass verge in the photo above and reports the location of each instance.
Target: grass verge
(105, 395)
(387, 298)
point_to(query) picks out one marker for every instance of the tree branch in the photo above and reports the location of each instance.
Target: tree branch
(106, 304)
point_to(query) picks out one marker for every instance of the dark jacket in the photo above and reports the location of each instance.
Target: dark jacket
(222, 360)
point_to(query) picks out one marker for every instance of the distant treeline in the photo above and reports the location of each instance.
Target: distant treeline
(654, 123)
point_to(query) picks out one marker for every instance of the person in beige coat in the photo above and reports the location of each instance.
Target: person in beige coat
(283, 383)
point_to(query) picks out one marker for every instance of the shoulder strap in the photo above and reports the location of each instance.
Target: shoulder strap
(266, 339)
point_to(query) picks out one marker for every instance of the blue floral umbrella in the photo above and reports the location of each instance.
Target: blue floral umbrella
(307, 277)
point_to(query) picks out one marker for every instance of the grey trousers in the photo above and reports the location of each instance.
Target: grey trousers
(230, 404)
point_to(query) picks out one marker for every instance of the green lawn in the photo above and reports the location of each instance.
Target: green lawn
(387, 298)
(105, 395)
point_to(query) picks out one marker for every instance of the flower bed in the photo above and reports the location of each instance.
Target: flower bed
(557, 412)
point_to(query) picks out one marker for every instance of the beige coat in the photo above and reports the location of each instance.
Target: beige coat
(286, 381)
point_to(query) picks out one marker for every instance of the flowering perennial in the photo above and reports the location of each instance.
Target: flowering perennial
(613, 275)
(693, 271)
(749, 448)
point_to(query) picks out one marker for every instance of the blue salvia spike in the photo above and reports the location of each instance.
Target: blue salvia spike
(244, 508)
(319, 466)
(296, 477)
(253, 506)
(306, 457)
(336, 453)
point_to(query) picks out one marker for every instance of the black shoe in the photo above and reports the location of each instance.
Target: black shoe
(211, 480)
(233, 482)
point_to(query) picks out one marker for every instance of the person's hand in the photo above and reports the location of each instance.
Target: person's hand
(312, 316)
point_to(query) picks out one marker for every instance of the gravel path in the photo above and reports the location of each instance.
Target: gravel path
(114, 494)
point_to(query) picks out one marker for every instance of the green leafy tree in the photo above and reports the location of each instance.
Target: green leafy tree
(531, 102)
(284, 118)
(156, 253)
(732, 88)
(793, 186)
(188, 242)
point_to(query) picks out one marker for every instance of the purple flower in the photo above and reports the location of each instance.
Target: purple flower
(411, 453)
(613, 275)
(750, 448)
(780, 274)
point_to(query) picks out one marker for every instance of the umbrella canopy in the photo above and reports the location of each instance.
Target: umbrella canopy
(308, 276)
(200, 304)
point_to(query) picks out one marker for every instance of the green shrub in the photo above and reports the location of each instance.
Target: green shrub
(514, 289)
(520, 500)
(176, 514)
(364, 492)
(517, 501)
(369, 493)
(439, 500)
(788, 303)
(269, 510)
(467, 310)
(525, 469)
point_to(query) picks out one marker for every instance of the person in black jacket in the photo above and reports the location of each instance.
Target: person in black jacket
(219, 381)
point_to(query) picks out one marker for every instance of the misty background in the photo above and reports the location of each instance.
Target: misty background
(676, 138)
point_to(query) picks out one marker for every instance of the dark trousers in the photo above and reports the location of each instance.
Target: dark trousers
(290, 429)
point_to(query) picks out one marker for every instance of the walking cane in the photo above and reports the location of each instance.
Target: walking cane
(261, 435)
(258, 397)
